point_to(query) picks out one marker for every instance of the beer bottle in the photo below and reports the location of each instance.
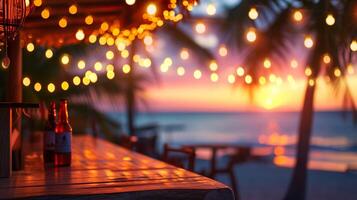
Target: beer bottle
(63, 154)
(49, 135)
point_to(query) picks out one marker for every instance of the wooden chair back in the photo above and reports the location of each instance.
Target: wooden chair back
(188, 153)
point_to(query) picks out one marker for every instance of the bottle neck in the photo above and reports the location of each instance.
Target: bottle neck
(63, 113)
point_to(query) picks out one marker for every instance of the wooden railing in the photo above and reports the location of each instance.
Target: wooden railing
(8, 134)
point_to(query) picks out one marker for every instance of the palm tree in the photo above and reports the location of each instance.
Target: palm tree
(276, 35)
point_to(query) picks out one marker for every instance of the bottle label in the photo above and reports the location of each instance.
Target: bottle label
(63, 142)
(50, 140)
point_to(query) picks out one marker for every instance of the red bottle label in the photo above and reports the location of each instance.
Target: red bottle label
(63, 142)
(50, 140)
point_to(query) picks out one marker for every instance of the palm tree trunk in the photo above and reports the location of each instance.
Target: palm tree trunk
(130, 94)
(297, 186)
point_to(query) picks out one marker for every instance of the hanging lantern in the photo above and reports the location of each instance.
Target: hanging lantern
(12, 16)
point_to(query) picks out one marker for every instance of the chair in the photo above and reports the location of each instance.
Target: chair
(182, 155)
(128, 142)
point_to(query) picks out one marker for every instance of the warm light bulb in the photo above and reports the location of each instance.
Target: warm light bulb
(45, 14)
(48, 53)
(298, 16)
(211, 9)
(5, 63)
(130, 2)
(126, 68)
(184, 55)
(109, 67)
(51, 87)
(197, 74)
(30, 47)
(180, 71)
(308, 71)
(81, 64)
(350, 69)
(76, 80)
(110, 75)
(72, 9)
(337, 72)
(353, 45)
(92, 38)
(213, 66)
(64, 85)
(98, 66)
(214, 77)
(109, 55)
(62, 22)
(86, 81)
(37, 87)
(223, 51)
(251, 35)
(262, 80)
(330, 20)
(151, 9)
(326, 59)
(240, 71)
(89, 20)
(267, 63)
(253, 13)
(200, 28)
(65, 59)
(148, 40)
(308, 42)
(294, 63)
(26, 81)
(124, 53)
(37, 3)
(248, 79)
(80, 34)
(231, 78)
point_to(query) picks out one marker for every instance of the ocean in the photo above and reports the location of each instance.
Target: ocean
(334, 137)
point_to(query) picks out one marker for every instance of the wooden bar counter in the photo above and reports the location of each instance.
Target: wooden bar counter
(101, 170)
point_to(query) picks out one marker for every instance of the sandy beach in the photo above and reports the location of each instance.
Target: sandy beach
(264, 181)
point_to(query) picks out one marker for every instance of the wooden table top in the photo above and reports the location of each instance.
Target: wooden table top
(103, 170)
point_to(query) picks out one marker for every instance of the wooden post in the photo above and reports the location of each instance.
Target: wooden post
(5, 142)
(14, 94)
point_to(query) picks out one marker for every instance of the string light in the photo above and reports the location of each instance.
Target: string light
(330, 20)
(337, 72)
(298, 16)
(72, 9)
(148, 40)
(253, 14)
(213, 66)
(80, 34)
(5, 63)
(151, 9)
(240, 71)
(109, 55)
(211, 9)
(267, 63)
(93, 77)
(184, 55)
(180, 71)
(110, 75)
(353, 45)
(45, 14)
(197, 74)
(62, 22)
(294, 63)
(92, 38)
(37, 3)
(214, 77)
(109, 67)
(37, 87)
(200, 28)
(272, 78)
(126, 68)
(311, 82)
(223, 51)
(248, 79)
(130, 2)
(48, 53)
(308, 42)
(251, 35)
(98, 66)
(26, 81)
(64, 85)
(76, 80)
(350, 69)
(326, 58)
(30, 47)
(308, 71)
(231, 79)
(86, 81)
(124, 53)
(89, 20)
(164, 68)
(65, 59)
(262, 80)
(51, 87)
(81, 64)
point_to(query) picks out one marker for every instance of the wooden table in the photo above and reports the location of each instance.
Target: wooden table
(103, 170)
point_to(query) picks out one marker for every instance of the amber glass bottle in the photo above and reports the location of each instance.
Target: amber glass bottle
(63, 154)
(49, 135)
